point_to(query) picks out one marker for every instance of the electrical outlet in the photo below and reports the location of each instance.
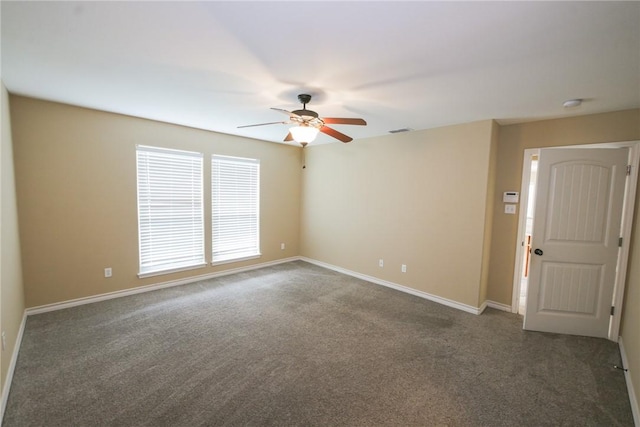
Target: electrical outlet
(381, 263)
(403, 268)
(4, 341)
(107, 272)
(282, 246)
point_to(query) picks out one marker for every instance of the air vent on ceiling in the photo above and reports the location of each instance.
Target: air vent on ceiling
(400, 130)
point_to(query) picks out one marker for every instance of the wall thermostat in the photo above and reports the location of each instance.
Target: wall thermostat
(510, 197)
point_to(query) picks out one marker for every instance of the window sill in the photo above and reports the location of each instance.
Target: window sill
(170, 270)
(230, 260)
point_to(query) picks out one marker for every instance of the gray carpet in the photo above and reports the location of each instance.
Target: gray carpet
(296, 344)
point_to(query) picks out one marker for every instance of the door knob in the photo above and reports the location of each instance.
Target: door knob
(538, 252)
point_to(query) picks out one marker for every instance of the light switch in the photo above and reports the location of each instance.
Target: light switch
(510, 209)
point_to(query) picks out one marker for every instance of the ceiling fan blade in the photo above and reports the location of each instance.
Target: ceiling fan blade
(334, 133)
(263, 124)
(344, 121)
(288, 138)
(288, 113)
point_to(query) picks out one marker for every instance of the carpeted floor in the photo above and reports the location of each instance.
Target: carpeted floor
(296, 344)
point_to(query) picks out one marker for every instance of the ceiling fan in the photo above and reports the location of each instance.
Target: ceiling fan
(307, 124)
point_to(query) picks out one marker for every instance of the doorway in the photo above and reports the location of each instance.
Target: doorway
(526, 221)
(529, 207)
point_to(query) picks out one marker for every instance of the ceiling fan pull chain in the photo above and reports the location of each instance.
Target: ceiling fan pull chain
(304, 166)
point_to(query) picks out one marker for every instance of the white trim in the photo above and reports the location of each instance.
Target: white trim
(153, 287)
(627, 376)
(498, 306)
(425, 295)
(483, 307)
(242, 258)
(163, 150)
(522, 226)
(12, 366)
(148, 288)
(170, 270)
(625, 233)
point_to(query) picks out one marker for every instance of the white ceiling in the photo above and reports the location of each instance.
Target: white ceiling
(219, 65)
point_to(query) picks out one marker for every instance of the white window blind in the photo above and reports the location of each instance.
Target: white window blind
(170, 209)
(235, 208)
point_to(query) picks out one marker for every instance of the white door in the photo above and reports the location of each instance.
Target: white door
(576, 231)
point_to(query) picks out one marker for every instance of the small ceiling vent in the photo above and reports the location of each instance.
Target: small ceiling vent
(401, 130)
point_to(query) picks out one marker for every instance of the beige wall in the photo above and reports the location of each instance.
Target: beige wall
(489, 214)
(11, 289)
(416, 198)
(514, 139)
(76, 187)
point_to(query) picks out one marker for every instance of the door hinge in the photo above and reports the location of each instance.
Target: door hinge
(619, 242)
(613, 309)
(628, 170)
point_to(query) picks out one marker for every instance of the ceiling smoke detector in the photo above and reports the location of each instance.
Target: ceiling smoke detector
(571, 103)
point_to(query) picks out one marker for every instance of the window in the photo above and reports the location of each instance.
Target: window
(170, 210)
(235, 208)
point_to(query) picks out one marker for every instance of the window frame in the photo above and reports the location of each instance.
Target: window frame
(186, 175)
(251, 207)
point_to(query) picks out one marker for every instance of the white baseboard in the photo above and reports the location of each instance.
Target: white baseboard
(192, 279)
(425, 295)
(149, 288)
(12, 367)
(627, 376)
(482, 307)
(498, 306)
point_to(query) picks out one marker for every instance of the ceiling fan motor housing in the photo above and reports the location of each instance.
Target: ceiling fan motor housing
(305, 112)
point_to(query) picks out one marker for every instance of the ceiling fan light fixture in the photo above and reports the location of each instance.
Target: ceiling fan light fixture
(304, 134)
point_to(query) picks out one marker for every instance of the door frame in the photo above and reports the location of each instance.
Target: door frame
(625, 232)
(522, 226)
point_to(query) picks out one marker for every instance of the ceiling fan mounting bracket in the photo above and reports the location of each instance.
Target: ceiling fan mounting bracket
(304, 98)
